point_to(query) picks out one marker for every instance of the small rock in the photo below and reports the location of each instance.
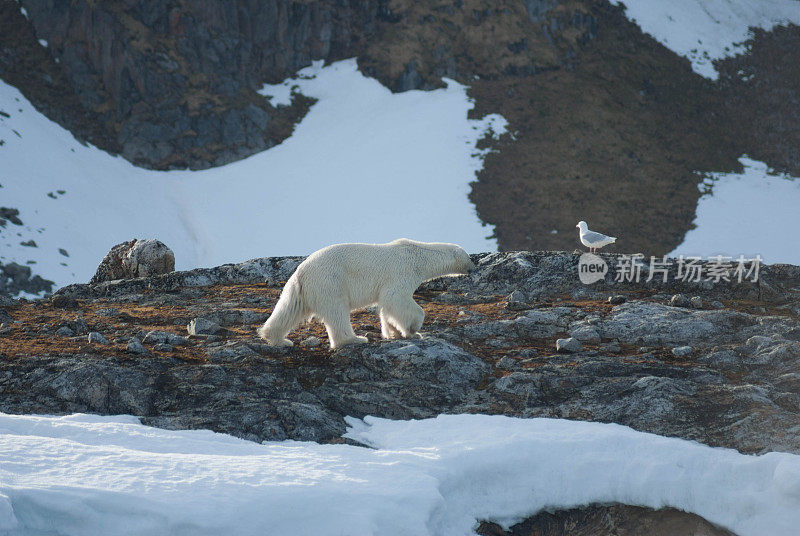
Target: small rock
(163, 337)
(679, 300)
(611, 348)
(616, 300)
(681, 351)
(468, 316)
(517, 296)
(716, 304)
(108, 312)
(508, 363)
(136, 347)
(517, 301)
(95, 337)
(79, 326)
(163, 347)
(585, 333)
(63, 302)
(65, 331)
(202, 326)
(697, 302)
(569, 345)
(500, 342)
(310, 342)
(528, 353)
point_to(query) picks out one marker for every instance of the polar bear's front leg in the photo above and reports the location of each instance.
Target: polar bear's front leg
(388, 331)
(404, 314)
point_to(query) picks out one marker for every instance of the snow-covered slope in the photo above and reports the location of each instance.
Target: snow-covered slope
(364, 165)
(707, 30)
(86, 474)
(750, 213)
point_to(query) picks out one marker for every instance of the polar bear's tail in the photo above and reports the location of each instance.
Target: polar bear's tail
(288, 313)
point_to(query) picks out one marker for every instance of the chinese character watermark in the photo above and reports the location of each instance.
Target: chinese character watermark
(628, 269)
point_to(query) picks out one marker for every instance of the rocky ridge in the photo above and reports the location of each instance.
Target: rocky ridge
(722, 367)
(718, 363)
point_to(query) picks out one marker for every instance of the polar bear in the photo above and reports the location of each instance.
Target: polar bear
(338, 279)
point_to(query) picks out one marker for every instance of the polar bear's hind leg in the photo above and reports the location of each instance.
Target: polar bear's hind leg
(288, 313)
(337, 323)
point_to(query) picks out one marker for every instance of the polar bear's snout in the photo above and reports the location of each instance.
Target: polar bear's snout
(464, 264)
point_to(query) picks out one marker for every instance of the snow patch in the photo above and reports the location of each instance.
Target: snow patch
(364, 165)
(749, 213)
(278, 94)
(85, 474)
(708, 30)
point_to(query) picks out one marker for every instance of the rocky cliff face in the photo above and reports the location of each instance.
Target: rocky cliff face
(174, 83)
(718, 363)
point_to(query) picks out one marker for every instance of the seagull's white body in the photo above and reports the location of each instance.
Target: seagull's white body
(593, 240)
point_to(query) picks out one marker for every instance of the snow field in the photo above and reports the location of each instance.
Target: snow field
(707, 30)
(84, 474)
(750, 213)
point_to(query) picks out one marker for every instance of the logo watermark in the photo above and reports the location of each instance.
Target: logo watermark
(591, 268)
(634, 269)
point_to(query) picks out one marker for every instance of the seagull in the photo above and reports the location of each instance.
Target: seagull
(592, 240)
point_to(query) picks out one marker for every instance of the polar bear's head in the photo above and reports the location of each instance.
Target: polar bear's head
(436, 259)
(463, 264)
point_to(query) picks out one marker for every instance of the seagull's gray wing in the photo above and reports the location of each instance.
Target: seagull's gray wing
(592, 237)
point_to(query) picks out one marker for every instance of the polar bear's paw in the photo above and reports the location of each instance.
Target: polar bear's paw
(351, 340)
(280, 343)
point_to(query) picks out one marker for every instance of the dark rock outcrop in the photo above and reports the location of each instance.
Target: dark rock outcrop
(16, 278)
(736, 388)
(615, 520)
(173, 84)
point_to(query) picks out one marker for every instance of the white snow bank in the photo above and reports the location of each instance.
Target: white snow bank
(707, 30)
(85, 474)
(750, 213)
(364, 165)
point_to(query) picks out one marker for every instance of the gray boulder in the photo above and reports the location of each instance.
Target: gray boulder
(569, 345)
(136, 347)
(135, 258)
(95, 337)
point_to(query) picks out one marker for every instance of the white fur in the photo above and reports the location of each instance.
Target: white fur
(338, 279)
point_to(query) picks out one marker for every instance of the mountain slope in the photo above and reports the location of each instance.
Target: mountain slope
(358, 168)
